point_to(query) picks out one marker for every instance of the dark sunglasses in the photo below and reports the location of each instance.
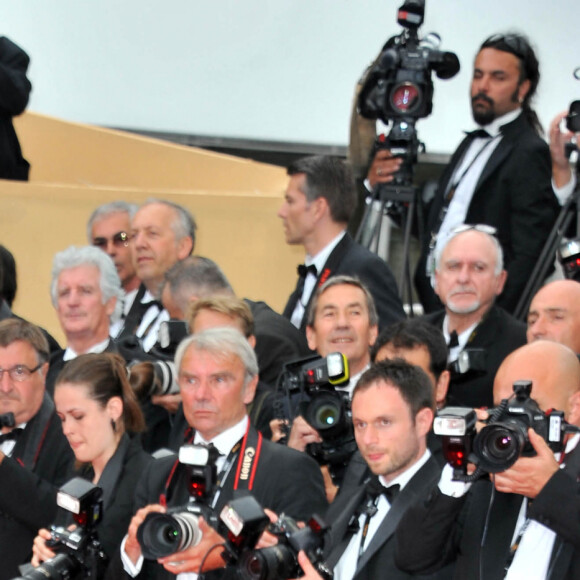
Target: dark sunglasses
(120, 239)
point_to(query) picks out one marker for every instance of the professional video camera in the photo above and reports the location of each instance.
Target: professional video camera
(498, 445)
(163, 534)
(281, 561)
(308, 387)
(81, 555)
(399, 87)
(7, 420)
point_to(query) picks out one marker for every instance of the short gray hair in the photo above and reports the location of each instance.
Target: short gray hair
(221, 342)
(184, 226)
(73, 257)
(340, 281)
(108, 209)
(493, 239)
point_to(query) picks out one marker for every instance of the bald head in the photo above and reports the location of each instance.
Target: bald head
(555, 314)
(555, 374)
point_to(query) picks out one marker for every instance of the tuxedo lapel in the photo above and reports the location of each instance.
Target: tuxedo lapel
(421, 481)
(329, 269)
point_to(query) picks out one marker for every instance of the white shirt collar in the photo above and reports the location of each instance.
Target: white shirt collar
(70, 354)
(320, 259)
(404, 478)
(225, 441)
(494, 127)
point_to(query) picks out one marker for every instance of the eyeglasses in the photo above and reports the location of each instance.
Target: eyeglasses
(19, 373)
(120, 240)
(483, 228)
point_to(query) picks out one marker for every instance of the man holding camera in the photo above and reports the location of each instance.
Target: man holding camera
(218, 374)
(469, 275)
(521, 522)
(563, 178)
(35, 456)
(392, 410)
(499, 175)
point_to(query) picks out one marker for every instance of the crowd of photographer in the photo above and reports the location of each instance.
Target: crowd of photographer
(185, 432)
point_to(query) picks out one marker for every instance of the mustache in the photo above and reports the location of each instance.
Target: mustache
(9, 397)
(482, 97)
(461, 290)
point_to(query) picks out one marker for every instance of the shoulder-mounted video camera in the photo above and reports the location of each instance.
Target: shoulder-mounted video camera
(163, 534)
(79, 553)
(504, 439)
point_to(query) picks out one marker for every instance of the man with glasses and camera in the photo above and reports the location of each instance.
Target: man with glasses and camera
(519, 519)
(500, 174)
(35, 456)
(468, 277)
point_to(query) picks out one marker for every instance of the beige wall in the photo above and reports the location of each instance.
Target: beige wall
(238, 227)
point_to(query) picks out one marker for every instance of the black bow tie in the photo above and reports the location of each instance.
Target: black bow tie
(479, 133)
(453, 339)
(11, 435)
(375, 489)
(304, 270)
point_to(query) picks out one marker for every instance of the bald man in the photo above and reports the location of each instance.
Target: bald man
(506, 531)
(555, 314)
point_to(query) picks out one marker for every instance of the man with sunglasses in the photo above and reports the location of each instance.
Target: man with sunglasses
(500, 174)
(35, 457)
(108, 229)
(468, 278)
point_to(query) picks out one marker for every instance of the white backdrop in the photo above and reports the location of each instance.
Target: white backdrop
(263, 69)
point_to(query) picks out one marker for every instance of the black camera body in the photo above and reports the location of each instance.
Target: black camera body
(504, 439)
(281, 561)
(163, 534)
(309, 389)
(79, 552)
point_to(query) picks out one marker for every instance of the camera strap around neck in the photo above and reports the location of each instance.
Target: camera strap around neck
(246, 450)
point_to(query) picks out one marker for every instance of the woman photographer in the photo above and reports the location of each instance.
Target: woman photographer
(100, 418)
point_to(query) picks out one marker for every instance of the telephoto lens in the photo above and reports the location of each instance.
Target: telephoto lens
(164, 534)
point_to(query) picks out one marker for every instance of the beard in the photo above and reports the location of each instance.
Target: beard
(467, 309)
(484, 116)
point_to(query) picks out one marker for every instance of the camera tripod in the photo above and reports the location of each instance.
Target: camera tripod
(402, 203)
(569, 211)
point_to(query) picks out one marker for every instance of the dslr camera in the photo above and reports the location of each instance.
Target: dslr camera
(79, 553)
(504, 439)
(281, 561)
(164, 534)
(309, 389)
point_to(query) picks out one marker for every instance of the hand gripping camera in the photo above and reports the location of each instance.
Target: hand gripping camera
(504, 439)
(164, 534)
(80, 554)
(309, 389)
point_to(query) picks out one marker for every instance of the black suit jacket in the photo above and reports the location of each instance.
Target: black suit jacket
(443, 529)
(377, 561)
(352, 259)
(286, 481)
(28, 497)
(498, 334)
(514, 194)
(13, 100)
(277, 341)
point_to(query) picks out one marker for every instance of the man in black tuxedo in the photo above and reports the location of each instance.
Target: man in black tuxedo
(501, 177)
(468, 277)
(218, 373)
(35, 457)
(319, 201)
(392, 412)
(522, 522)
(86, 293)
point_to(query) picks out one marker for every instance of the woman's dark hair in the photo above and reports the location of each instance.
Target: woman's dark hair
(105, 376)
(8, 283)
